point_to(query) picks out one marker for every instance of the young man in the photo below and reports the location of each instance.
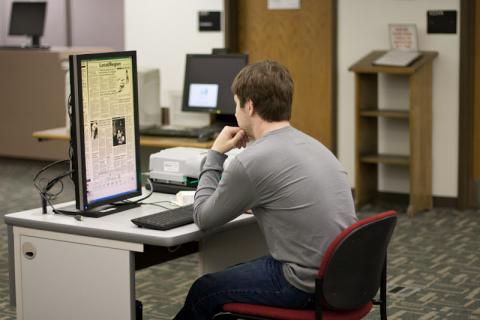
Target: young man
(294, 185)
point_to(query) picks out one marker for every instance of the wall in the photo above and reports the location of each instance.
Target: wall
(163, 32)
(3, 17)
(98, 23)
(361, 29)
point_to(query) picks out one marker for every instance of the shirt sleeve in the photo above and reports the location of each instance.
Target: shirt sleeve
(221, 195)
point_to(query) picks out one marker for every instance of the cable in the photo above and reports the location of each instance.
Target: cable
(47, 167)
(157, 204)
(44, 185)
(139, 201)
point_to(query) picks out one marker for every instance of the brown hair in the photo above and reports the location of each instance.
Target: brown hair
(270, 87)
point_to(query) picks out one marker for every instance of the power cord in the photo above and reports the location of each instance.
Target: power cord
(44, 185)
(157, 203)
(138, 201)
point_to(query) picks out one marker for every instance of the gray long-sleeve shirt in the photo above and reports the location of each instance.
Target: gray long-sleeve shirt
(297, 190)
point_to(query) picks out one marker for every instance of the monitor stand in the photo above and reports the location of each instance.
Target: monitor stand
(34, 44)
(99, 211)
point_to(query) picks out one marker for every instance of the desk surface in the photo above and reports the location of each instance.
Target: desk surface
(145, 141)
(118, 226)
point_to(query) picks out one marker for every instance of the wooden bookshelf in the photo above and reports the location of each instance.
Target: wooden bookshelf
(419, 119)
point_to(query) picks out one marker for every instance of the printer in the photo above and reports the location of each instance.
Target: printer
(176, 169)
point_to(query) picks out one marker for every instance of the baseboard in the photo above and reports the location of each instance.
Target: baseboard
(447, 202)
(403, 198)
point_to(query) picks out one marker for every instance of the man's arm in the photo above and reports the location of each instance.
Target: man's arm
(221, 195)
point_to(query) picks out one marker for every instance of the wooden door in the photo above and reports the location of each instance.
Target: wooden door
(303, 41)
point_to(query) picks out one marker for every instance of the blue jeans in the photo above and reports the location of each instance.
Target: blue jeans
(260, 281)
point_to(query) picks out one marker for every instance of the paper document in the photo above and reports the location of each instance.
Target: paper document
(403, 46)
(397, 58)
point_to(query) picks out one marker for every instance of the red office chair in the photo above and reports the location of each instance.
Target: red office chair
(353, 268)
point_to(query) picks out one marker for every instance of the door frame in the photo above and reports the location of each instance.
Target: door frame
(466, 180)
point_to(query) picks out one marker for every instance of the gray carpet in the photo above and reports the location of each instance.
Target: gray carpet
(433, 266)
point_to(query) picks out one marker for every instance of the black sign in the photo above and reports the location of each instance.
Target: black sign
(209, 21)
(442, 21)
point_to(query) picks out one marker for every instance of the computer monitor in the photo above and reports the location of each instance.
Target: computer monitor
(28, 18)
(104, 130)
(208, 78)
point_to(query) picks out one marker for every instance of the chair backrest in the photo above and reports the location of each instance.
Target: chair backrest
(351, 269)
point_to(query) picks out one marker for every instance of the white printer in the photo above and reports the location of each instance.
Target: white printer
(175, 169)
(176, 165)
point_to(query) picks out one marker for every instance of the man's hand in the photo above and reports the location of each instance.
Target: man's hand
(229, 138)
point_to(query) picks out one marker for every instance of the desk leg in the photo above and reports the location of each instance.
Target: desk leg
(230, 247)
(11, 266)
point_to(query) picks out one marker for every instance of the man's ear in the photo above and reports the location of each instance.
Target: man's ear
(250, 107)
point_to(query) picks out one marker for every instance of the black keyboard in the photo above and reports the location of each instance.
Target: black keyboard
(202, 134)
(166, 220)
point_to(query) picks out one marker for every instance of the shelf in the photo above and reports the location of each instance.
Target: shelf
(386, 159)
(365, 65)
(418, 117)
(398, 114)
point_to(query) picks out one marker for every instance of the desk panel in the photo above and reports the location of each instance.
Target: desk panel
(76, 278)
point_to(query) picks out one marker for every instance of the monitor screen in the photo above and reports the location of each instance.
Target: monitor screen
(105, 128)
(27, 18)
(208, 78)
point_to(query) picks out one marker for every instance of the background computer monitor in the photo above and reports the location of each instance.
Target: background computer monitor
(28, 18)
(104, 129)
(208, 78)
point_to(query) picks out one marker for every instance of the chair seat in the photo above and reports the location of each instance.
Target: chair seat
(294, 314)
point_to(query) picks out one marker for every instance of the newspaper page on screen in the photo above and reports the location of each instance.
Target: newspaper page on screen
(109, 131)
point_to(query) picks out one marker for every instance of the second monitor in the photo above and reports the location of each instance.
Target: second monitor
(207, 83)
(28, 18)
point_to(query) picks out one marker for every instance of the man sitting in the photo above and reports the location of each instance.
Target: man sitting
(296, 188)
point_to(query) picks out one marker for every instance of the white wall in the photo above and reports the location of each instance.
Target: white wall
(3, 17)
(362, 27)
(98, 23)
(163, 32)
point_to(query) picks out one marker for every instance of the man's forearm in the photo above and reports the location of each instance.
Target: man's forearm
(221, 195)
(208, 182)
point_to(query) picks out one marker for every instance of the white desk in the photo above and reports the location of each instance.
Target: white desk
(69, 269)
